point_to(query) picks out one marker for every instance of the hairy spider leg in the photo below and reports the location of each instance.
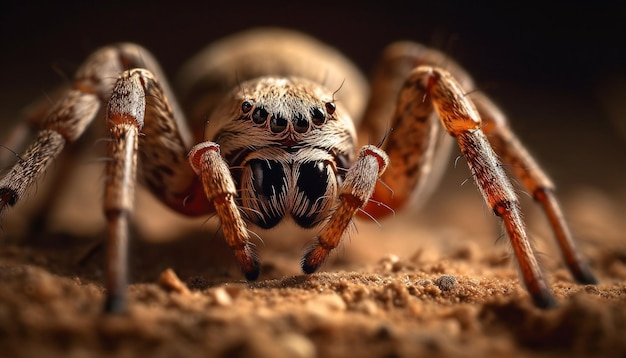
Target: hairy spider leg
(535, 181)
(355, 192)
(142, 124)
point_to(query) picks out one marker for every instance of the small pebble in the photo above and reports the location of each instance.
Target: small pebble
(592, 289)
(220, 297)
(169, 281)
(446, 282)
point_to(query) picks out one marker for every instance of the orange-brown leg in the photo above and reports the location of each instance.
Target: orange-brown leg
(461, 120)
(220, 190)
(430, 90)
(414, 168)
(354, 193)
(535, 181)
(415, 144)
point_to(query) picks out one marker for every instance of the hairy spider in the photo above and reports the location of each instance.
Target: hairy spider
(280, 143)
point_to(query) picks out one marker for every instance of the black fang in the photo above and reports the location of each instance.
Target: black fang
(313, 184)
(269, 186)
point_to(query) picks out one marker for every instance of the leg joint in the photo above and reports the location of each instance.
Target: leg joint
(502, 207)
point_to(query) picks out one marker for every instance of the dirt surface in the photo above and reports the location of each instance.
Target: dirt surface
(437, 283)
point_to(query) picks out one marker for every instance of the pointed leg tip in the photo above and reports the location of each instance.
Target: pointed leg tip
(252, 274)
(115, 305)
(308, 268)
(545, 301)
(585, 277)
(313, 259)
(249, 263)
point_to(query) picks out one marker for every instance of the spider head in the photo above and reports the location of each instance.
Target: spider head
(288, 145)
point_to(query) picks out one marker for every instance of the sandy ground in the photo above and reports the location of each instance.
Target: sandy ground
(437, 283)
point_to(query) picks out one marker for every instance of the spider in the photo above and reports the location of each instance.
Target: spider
(271, 138)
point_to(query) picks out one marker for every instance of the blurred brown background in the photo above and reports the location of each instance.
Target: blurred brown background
(559, 73)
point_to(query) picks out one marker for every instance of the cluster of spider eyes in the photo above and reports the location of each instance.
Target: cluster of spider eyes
(278, 124)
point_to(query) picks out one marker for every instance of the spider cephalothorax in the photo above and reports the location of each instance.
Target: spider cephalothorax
(288, 146)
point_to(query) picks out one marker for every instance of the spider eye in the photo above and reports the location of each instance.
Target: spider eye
(277, 123)
(246, 106)
(300, 123)
(318, 116)
(259, 115)
(330, 107)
